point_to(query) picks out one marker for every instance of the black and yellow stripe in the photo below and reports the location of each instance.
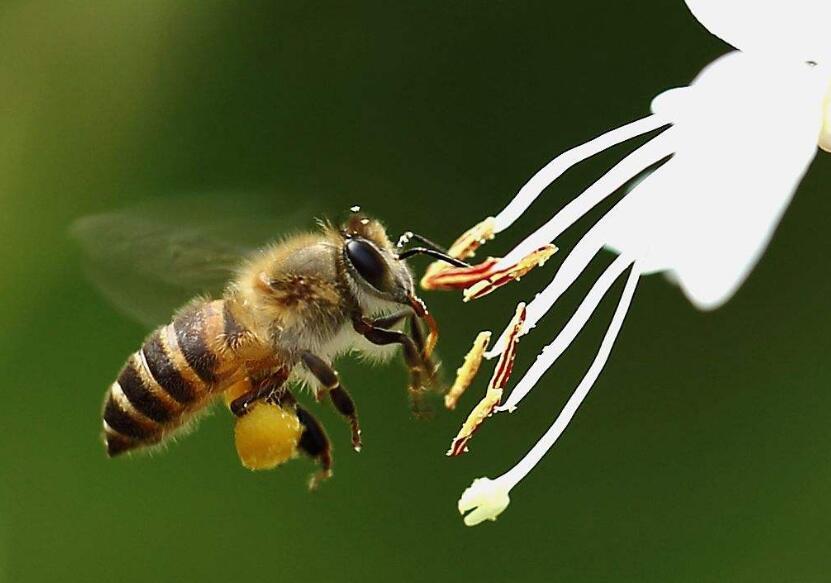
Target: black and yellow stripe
(190, 328)
(176, 371)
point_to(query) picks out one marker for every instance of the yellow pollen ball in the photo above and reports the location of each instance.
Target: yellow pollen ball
(266, 436)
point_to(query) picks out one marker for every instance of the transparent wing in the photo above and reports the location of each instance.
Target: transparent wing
(150, 259)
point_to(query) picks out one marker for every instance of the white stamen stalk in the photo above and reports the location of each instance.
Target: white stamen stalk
(554, 169)
(553, 351)
(553, 434)
(486, 499)
(650, 153)
(574, 264)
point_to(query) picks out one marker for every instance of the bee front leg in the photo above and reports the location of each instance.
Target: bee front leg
(328, 378)
(421, 373)
(416, 333)
(392, 319)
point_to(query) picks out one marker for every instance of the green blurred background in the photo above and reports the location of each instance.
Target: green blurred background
(701, 455)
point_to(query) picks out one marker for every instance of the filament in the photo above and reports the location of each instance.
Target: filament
(554, 169)
(574, 264)
(650, 153)
(513, 476)
(553, 351)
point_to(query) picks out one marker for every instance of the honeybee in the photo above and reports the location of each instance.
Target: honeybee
(289, 310)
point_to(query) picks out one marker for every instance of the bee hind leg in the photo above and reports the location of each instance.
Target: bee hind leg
(315, 444)
(328, 378)
(264, 388)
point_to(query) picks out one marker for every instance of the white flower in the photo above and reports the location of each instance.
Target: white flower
(737, 141)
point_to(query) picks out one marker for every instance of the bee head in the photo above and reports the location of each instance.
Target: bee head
(372, 262)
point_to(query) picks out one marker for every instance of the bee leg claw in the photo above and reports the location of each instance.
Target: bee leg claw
(317, 478)
(315, 444)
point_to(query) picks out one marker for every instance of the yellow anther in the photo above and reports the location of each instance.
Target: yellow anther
(467, 372)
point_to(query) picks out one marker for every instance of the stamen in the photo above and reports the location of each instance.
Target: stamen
(467, 372)
(486, 499)
(592, 242)
(515, 272)
(449, 278)
(554, 169)
(650, 153)
(463, 248)
(501, 375)
(574, 264)
(553, 351)
(482, 279)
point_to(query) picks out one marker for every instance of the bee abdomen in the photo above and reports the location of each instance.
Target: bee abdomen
(195, 330)
(174, 374)
(139, 409)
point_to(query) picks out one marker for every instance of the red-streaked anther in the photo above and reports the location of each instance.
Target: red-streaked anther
(499, 277)
(450, 278)
(483, 278)
(463, 248)
(496, 387)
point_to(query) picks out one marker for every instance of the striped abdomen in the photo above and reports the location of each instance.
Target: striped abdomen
(176, 372)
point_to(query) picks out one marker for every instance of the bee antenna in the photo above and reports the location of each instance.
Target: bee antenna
(435, 254)
(408, 236)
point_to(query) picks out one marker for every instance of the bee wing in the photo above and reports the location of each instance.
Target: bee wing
(150, 259)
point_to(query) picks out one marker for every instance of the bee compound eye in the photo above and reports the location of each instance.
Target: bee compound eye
(368, 262)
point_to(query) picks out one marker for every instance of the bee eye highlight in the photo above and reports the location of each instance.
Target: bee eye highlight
(368, 262)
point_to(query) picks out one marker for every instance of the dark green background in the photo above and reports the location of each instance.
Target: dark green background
(701, 455)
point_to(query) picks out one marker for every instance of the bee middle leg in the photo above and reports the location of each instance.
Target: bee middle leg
(328, 378)
(421, 369)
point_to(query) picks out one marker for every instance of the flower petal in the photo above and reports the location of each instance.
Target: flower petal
(825, 135)
(799, 29)
(744, 135)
